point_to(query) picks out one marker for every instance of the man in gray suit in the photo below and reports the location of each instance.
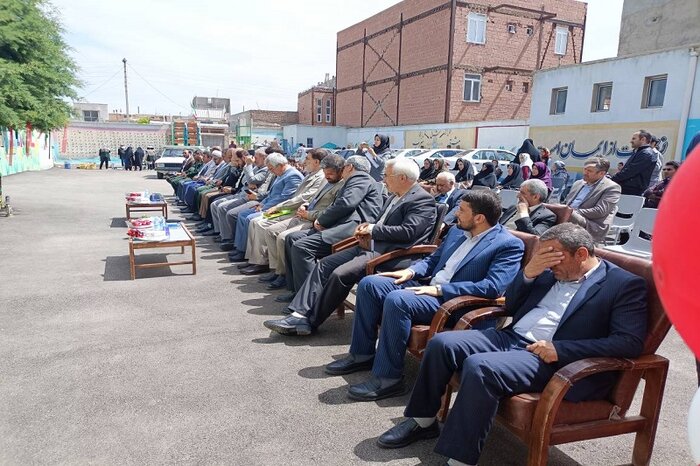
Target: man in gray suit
(359, 201)
(407, 219)
(529, 215)
(593, 200)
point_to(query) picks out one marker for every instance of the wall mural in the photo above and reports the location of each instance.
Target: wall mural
(25, 149)
(460, 138)
(605, 148)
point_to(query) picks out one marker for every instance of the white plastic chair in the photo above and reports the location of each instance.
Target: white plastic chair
(627, 209)
(639, 243)
(509, 197)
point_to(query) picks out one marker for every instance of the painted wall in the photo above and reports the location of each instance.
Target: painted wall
(25, 150)
(295, 134)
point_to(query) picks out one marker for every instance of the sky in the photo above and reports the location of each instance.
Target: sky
(260, 54)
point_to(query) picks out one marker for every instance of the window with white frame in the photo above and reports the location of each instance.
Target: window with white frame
(328, 111)
(476, 28)
(602, 95)
(562, 39)
(654, 91)
(319, 110)
(557, 105)
(90, 115)
(472, 88)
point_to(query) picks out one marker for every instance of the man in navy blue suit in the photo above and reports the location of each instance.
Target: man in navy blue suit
(566, 305)
(480, 258)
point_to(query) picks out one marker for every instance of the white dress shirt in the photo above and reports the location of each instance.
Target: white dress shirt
(542, 321)
(445, 275)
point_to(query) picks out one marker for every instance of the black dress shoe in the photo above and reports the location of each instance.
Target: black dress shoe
(254, 269)
(285, 298)
(289, 326)
(348, 365)
(203, 231)
(186, 211)
(268, 277)
(244, 265)
(217, 238)
(238, 257)
(210, 232)
(277, 284)
(406, 433)
(372, 390)
(227, 246)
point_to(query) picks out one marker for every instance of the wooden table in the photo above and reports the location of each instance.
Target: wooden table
(139, 207)
(180, 237)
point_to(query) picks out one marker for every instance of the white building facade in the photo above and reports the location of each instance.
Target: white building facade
(592, 109)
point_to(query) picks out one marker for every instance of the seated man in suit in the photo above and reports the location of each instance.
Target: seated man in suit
(407, 219)
(529, 215)
(448, 194)
(566, 305)
(479, 258)
(594, 199)
(358, 201)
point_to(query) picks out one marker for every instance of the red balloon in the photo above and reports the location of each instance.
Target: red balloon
(676, 251)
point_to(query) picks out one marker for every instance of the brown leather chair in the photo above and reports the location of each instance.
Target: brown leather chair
(544, 419)
(563, 212)
(420, 334)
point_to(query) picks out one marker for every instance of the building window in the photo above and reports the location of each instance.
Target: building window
(509, 85)
(319, 110)
(526, 87)
(562, 40)
(557, 105)
(654, 91)
(472, 88)
(476, 28)
(328, 111)
(602, 94)
(309, 142)
(512, 28)
(90, 115)
(529, 30)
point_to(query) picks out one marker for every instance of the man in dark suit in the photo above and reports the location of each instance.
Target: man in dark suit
(359, 201)
(449, 195)
(529, 215)
(407, 219)
(635, 175)
(478, 258)
(566, 305)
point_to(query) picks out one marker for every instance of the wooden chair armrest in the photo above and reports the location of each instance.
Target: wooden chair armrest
(423, 249)
(470, 318)
(342, 245)
(450, 307)
(564, 379)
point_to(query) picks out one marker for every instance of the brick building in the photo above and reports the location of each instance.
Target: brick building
(449, 61)
(316, 106)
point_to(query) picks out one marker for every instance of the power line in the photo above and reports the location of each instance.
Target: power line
(103, 83)
(156, 89)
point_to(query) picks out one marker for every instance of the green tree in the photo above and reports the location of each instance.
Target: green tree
(36, 72)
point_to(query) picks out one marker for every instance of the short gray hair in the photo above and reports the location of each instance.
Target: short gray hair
(571, 237)
(276, 160)
(261, 152)
(333, 161)
(536, 188)
(447, 176)
(360, 163)
(405, 167)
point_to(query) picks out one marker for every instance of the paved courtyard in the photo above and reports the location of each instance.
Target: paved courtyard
(174, 368)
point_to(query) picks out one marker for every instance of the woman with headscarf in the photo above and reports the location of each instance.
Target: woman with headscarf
(464, 175)
(514, 178)
(560, 172)
(541, 172)
(438, 167)
(485, 177)
(529, 148)
(428, 171)
(377, 155)
(525, 165)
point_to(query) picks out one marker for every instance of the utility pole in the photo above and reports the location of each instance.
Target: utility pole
(126, 90)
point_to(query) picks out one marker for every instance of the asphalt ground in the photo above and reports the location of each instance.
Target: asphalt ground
(175, 368)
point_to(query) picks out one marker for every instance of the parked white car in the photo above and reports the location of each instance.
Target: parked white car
(476, 156)
(170, 160)
(399, 153)
(447, 154)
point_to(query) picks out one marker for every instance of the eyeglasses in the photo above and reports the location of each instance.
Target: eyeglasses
(668, 169)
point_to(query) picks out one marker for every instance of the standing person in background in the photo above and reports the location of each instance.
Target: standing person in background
(377, 155)
(544, 155)
(635, 175)
(121, 152)
(138, 158)
(525, 165)
(151, 158)
(104, 157)
(128, 158)
(656, 174)
(528, 147)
